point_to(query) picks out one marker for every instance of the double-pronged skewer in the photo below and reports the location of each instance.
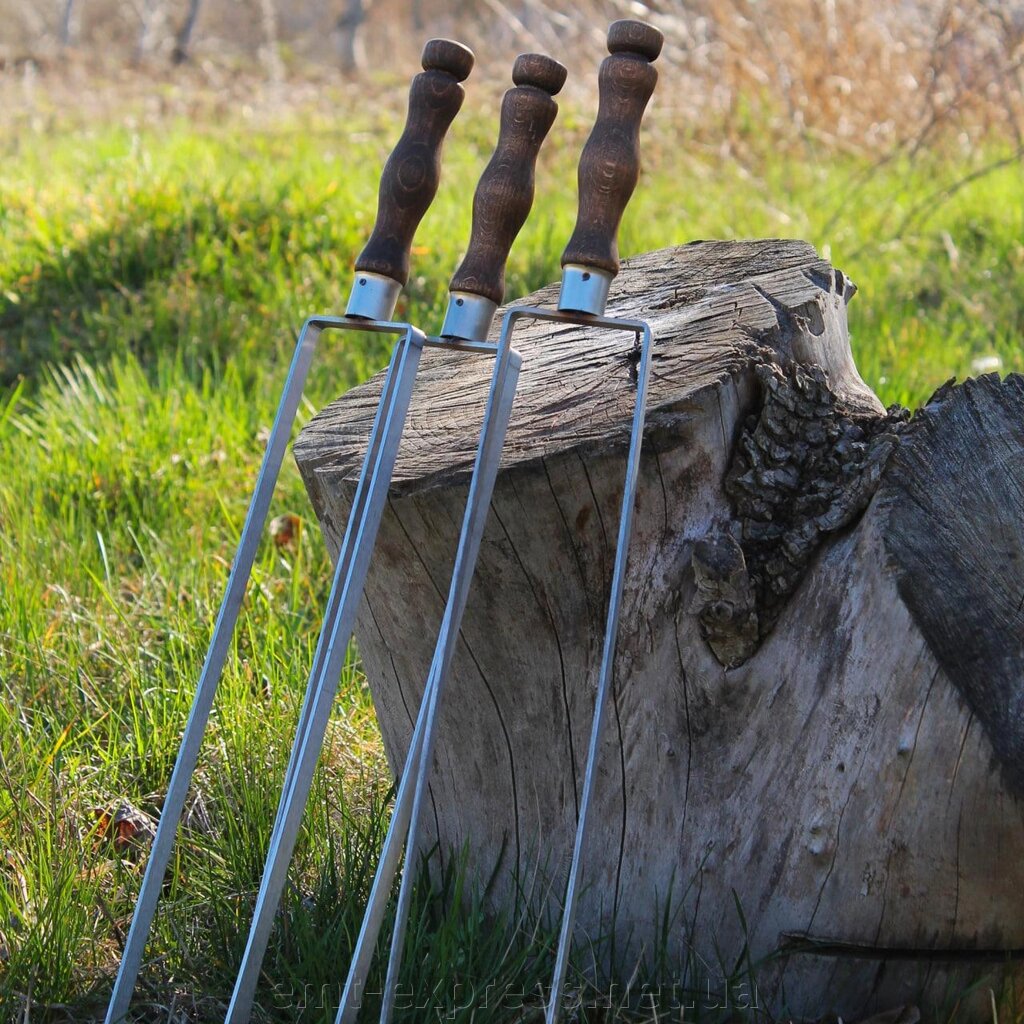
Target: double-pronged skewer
(501, 205)
(408, 185)
(608, 172)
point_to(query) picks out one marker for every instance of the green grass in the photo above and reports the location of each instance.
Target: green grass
(150, 287)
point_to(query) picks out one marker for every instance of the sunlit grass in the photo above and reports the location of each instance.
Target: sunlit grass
(150, 286)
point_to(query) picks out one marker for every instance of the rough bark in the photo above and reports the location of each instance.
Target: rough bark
(183, 37)
(350, 42)
(67, 23)
(151, 19)
(817, 713)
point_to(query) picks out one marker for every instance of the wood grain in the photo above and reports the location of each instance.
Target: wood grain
(412, 173)
(610, 163)
(955, 500)
(504, 195)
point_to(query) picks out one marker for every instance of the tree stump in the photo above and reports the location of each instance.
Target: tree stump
(819, 683)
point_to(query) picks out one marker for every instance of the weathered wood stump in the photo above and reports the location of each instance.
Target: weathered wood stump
(819, 712)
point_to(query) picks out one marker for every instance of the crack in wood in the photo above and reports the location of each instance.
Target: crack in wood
(555, 635)
(689, 731)
(800, 943)
(960, 757)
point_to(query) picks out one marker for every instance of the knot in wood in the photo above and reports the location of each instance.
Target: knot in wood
(724, 602)
(803, 468)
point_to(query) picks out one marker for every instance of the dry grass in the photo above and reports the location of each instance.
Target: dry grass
(879, 78)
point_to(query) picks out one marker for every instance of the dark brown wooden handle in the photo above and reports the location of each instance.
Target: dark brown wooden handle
(411, 175)
(505, 193)
(610, 162)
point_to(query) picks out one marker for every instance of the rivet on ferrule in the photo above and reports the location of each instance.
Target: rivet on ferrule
(584, 289)
(373, 297)
(468, 317)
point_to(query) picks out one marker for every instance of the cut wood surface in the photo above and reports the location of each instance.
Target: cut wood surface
(818, 710)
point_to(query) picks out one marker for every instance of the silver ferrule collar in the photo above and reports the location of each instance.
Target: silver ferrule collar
(373, 296)
(468, 317)
(584, 289)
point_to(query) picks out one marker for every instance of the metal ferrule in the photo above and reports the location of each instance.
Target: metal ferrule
(584, 289)
(468, 317)
(373, 296)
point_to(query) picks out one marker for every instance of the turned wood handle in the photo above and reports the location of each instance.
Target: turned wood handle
(505, 193)
(610, 162)
(411, 175)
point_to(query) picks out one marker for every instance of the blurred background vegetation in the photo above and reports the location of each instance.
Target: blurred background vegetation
(851, 76)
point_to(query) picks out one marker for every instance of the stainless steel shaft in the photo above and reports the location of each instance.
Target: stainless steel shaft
(195, 727)
(346, 590)
(501, 204)
(496, 417)
(605, 679)
(408, 186)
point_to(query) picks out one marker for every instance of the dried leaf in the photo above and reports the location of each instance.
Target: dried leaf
(285, 529)
(132, 830)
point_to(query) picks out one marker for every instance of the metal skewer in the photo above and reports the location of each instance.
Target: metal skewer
(609, 169)
(608, 172)
(383, 268)
(500, 207)
(502, 203)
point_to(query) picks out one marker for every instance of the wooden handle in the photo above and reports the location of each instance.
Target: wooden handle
(505, 193)
(610, 163)
(411, 175)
